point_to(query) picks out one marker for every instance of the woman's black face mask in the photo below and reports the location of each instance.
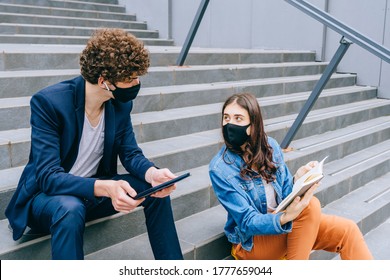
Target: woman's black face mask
(235, 135)
(125, 94)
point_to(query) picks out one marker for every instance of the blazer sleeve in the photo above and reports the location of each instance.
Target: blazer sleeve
(131, 155)
(45, 149)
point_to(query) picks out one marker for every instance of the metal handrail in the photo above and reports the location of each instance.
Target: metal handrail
(320, 85)
(348, 34)
(341, 28)
(192, 32)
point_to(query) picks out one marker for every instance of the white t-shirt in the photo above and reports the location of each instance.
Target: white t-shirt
(90, 149)
(270, 195)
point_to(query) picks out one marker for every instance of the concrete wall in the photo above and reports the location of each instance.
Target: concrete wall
(371, 18)
(274, 24)
(155, 12)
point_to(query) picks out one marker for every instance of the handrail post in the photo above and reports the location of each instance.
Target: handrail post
(330, 68)
(192, 32)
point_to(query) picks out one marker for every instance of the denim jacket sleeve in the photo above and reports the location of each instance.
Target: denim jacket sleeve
(283, 175)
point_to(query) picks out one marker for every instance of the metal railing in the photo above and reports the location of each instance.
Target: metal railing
(343, 29)
(348, 34)
(191, 34)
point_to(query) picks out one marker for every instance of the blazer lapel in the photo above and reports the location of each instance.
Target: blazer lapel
(109, 135)
(79, 107)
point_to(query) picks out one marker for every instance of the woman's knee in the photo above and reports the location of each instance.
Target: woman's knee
(315, 204)
(314, 207)
(351, 228)
(311, 213)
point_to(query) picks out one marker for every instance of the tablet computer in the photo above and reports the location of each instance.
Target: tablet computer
(161, 186)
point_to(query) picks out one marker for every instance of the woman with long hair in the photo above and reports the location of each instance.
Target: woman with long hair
(250, 178)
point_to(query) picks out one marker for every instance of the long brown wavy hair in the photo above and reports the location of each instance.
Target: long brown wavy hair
(257, 153)
(115, 55)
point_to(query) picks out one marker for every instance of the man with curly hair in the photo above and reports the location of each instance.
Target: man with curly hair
(79, 127)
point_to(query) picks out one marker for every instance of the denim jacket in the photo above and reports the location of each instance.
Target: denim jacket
(245, 199)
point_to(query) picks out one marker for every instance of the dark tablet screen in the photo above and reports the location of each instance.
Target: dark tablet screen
(161, 186)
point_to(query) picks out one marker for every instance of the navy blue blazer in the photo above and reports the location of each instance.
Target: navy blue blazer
(57, 117)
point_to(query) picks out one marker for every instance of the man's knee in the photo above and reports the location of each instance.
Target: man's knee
(159, 203)
(70, 213)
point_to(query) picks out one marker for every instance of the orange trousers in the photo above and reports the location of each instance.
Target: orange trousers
(312, 230)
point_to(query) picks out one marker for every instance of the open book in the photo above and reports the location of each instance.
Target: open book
(304, 183)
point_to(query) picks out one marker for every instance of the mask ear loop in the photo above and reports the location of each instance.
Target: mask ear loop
(106, 86)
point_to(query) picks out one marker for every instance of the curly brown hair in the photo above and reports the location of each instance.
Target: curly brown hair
(115, 55)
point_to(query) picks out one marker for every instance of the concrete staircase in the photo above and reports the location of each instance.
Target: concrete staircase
(67, 22)
(177, 118)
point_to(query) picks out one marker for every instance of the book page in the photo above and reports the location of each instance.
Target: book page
(313, 176)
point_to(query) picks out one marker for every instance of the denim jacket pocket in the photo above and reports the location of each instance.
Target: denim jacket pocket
(249, 187)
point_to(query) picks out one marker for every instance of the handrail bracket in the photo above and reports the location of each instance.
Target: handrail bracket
(329, 70)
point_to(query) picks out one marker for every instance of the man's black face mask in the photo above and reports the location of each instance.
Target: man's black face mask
(125, 94)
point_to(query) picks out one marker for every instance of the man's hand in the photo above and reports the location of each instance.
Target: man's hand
(156, 176)
(119, 192)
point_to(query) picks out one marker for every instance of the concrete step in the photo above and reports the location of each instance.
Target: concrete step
(378, 241)
(170, 97)
(205, 144)
(47, 57)
(68, 21)
(193, 150)
(347, 123)
(56, 39)
(369, 207)
(209, 242)
(109, 5)
(64, 12)
(15, 144)
(15, 83)
(17, 110)
(349, 173)
(191, 196)
(100, 5)
(230, 72)
(60, 30)
(9, 179)
(339, 117)
(201, 238)
(23, 21)
(352, 138)
(26, 83)
(112, 2)
(151, 126)
(196, 240)
(14, 147)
